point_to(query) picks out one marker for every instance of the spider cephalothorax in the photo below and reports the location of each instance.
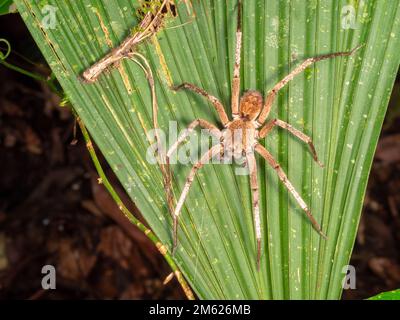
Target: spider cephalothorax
(250, 105)
(248, 114)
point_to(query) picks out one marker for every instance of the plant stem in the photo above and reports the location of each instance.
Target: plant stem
(35, 76)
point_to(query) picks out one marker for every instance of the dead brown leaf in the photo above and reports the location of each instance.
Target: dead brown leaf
(74, 263)
(3, 255)
(133, 292)
(385, 268)
(11, 109)
(32, 141)
(115, 245)
(388, 149)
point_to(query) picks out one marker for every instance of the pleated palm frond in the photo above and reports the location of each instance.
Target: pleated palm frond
(340, 103)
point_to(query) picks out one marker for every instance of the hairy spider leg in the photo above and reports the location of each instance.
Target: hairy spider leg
(272, 94)
(251, 161)
(213, 100)
(236, 70)
(282, 176)
(189, 180)
(284, 125)
(212, 129)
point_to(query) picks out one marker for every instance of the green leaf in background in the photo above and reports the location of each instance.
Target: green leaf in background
(389, 295)
(7, 6)
(341, 103)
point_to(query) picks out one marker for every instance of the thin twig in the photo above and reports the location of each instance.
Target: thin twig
(161, 152)
(150, 24)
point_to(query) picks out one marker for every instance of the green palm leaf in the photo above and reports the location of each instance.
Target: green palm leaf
(389, 295)
(6, 7)
(341, 103)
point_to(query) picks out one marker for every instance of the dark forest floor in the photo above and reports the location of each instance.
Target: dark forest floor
(53, 211)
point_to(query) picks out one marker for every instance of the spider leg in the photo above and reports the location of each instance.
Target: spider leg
(236, 70)
(282, 176)
(284, 125)
(251, 161)
(213, 100)
(189, 180)
(213, 130)
(272, 94)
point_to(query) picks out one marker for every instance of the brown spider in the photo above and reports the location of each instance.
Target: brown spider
(248, 116)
